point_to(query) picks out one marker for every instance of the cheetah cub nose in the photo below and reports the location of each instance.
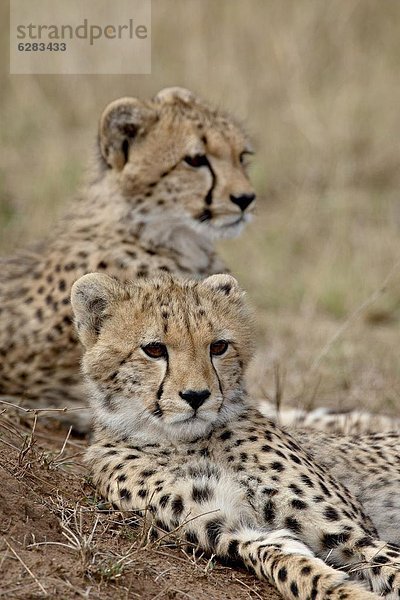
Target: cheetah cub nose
(195, 398)
(243, 201)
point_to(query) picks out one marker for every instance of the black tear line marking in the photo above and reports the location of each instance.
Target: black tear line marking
(219, 381)
(208, 199)
(161, 388)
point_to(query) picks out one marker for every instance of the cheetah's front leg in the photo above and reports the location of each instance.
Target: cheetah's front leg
(378, 562)
(290, 565)
(212, 511)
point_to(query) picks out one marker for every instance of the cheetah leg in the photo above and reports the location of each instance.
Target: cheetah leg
(212, 512)
(378, 563)
(290, 565)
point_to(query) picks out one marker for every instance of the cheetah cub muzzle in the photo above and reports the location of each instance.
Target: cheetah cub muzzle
(176, 438)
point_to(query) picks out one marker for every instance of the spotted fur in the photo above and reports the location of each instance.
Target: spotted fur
(308, 512)
(170, 177)
(351, 422)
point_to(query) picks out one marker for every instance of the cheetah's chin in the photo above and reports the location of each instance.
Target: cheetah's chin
(189, 430)
(192, 422)
(230, 228)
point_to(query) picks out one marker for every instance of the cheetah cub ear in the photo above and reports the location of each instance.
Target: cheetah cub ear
(91, 295)
(170, 95)
(122, 122)
(224, 284)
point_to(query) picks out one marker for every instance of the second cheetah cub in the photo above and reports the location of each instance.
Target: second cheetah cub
(175, 438)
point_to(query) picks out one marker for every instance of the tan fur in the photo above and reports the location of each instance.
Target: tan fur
(140, 315)
(301, 509)
(352, 422)
(145, 211)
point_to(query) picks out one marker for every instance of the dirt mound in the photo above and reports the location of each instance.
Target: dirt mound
(58, 540)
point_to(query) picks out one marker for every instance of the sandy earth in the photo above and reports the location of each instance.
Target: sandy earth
(46, 500)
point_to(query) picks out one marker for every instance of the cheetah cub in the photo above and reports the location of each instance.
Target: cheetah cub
(170, 178)
(175, 438)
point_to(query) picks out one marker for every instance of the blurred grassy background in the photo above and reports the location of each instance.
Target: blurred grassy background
(317, 85)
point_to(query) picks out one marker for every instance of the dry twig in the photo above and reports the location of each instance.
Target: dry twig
(27, 569)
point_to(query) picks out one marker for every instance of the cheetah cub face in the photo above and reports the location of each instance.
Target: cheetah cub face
(164, 358)
(177, 156)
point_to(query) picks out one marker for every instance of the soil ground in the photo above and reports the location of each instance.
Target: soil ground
(58, 540)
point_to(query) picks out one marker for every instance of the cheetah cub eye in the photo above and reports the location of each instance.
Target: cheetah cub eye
(198, 160)
(155, 350)
(218, 348)
(244, 157)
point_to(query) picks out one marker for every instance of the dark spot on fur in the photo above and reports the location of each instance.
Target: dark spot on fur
(305, 479)
(269, 511)
(161, 525)
(226, 288)
(381, 559)
(296, 490)
(147, 473)
(331, 514)
(298, 504)
(201, 493)
(294, 589)
(277, 466)
(331, 540)
(213, 531)
(125, 494)
(324, 489)
(192, 538)
(292, 524)
(177, 506)
(164, 500)
(295, 459)
(282, 574)
(69, 266)
(233, 549)
(363, 542)
(318, 498)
